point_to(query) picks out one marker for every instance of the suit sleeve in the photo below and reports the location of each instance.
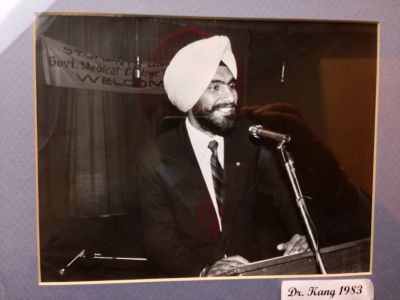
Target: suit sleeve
(160, 237)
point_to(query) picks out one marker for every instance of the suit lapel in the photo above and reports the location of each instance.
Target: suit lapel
(236, 168)
(184, 175)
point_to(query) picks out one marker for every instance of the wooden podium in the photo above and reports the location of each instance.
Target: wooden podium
(352, 257)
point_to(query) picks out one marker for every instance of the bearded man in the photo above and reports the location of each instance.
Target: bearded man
(212, 199)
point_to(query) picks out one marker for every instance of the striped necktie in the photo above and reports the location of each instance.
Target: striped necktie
(217, 176)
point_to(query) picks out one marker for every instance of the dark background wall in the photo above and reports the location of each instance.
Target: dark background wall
(330, 77)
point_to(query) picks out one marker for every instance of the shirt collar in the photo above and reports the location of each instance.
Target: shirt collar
(200, 139)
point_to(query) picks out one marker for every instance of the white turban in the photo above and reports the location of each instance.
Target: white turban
(193, 67)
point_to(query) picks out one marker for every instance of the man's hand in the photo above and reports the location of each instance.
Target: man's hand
(222, 266)
(297, 244)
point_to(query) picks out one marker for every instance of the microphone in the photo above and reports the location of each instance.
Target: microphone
(258, 131)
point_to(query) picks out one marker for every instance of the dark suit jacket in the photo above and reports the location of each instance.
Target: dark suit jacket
(178, 216)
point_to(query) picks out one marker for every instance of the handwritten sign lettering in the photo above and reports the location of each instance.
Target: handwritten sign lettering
(66, 66)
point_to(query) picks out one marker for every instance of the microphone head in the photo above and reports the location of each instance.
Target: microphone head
(258, 131)
(253, 130)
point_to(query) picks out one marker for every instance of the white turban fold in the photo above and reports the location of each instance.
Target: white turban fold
(191, 70)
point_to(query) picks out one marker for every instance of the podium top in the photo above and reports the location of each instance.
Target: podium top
(355, 253)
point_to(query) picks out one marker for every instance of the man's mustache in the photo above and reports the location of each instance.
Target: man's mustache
(222, 105)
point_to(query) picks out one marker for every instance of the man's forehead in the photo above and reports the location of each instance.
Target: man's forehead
(223, 74)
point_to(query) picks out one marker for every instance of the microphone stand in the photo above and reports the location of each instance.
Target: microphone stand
(291, 171)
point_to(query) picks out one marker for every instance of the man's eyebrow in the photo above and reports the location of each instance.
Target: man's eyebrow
(223, 82)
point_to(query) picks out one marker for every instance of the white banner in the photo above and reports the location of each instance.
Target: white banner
(67, 66)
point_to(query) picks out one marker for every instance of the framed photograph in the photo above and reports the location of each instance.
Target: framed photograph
(123, 193)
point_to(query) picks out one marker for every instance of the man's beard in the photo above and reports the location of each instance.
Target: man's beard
(208, 121)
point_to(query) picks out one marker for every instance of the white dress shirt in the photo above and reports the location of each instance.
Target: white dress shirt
(200, 141)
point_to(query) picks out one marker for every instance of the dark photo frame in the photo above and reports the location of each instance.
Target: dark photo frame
(91, 126)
